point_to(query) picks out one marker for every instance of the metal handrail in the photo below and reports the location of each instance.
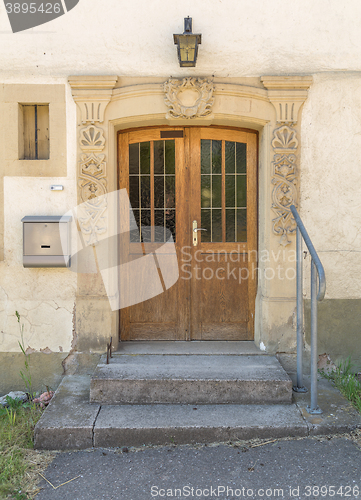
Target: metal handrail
(316, 267)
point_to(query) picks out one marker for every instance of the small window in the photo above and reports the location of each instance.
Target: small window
(34, 132)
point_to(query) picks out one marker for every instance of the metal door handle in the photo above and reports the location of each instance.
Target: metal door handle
(195, 232)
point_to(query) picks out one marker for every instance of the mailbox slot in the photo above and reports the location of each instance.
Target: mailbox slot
(42, 241)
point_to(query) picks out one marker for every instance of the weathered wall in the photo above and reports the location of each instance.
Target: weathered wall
(339, 332)
(331, 179)
(331, 206)
(45, 369)
(44, 298)
(240, 39)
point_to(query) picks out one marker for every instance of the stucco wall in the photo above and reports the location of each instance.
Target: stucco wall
(239, 39)
(44, 298)
(331, 207)
(331, 179)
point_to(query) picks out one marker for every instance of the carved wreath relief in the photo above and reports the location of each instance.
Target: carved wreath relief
(284, 193)
(189, 98)
(92, 184)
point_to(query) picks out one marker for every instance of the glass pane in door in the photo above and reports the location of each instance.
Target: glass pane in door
(152, 190)
(223, 191)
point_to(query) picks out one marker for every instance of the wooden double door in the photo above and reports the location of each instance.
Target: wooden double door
(198, 185)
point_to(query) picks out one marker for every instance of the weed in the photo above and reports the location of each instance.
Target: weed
(346, 382)
(27, 375)
(17, 422)
(14, 404)
(11, 416)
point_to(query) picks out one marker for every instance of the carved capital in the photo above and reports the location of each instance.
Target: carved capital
(287, 94)
(189, 98)
(92, 94)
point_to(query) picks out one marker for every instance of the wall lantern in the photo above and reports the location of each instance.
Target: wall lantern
(187, 45)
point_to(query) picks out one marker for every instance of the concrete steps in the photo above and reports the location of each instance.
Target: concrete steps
(159, 393)
(184, 392)
(189, 392)
(72, 422)
(142, 379)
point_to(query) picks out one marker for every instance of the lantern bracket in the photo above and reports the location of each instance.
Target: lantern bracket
(187, 43)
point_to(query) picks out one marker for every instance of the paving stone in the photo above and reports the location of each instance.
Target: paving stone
(338, 414)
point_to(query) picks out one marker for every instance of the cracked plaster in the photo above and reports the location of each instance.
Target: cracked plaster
(43, 297)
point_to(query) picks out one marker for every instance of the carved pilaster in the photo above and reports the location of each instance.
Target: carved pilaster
(284, 193)
(287, 94)
(92, 94)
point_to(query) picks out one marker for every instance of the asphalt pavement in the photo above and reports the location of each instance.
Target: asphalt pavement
(303, 468)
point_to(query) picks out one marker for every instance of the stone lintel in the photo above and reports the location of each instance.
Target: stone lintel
(92, 82)
(287, 82)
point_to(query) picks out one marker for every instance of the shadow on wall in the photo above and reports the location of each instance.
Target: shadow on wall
(46, 369)
(339, 329)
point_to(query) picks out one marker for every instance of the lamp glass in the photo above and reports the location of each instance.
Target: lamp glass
(187, 50)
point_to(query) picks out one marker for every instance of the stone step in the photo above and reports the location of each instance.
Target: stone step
(137, 425)
(209, 347)
(191, 379)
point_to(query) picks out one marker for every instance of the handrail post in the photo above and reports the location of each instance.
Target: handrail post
(316, 269)
(299, 387)
(313, 408)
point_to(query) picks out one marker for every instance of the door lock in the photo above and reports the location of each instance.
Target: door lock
(195, 230)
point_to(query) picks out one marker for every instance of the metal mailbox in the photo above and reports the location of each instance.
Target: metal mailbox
(42, 241)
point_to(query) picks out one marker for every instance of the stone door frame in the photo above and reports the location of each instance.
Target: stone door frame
(274, 110)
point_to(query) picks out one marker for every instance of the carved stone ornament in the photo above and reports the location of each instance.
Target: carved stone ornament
(285, 139)
(92, 138)
(287, 94)
(92, 176)
(284, 178)
(92, 184)
(92, 95)
(92, 219)
(189, 98)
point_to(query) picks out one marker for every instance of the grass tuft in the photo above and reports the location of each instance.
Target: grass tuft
(344, 378)
(17, 424)
(17, 421)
